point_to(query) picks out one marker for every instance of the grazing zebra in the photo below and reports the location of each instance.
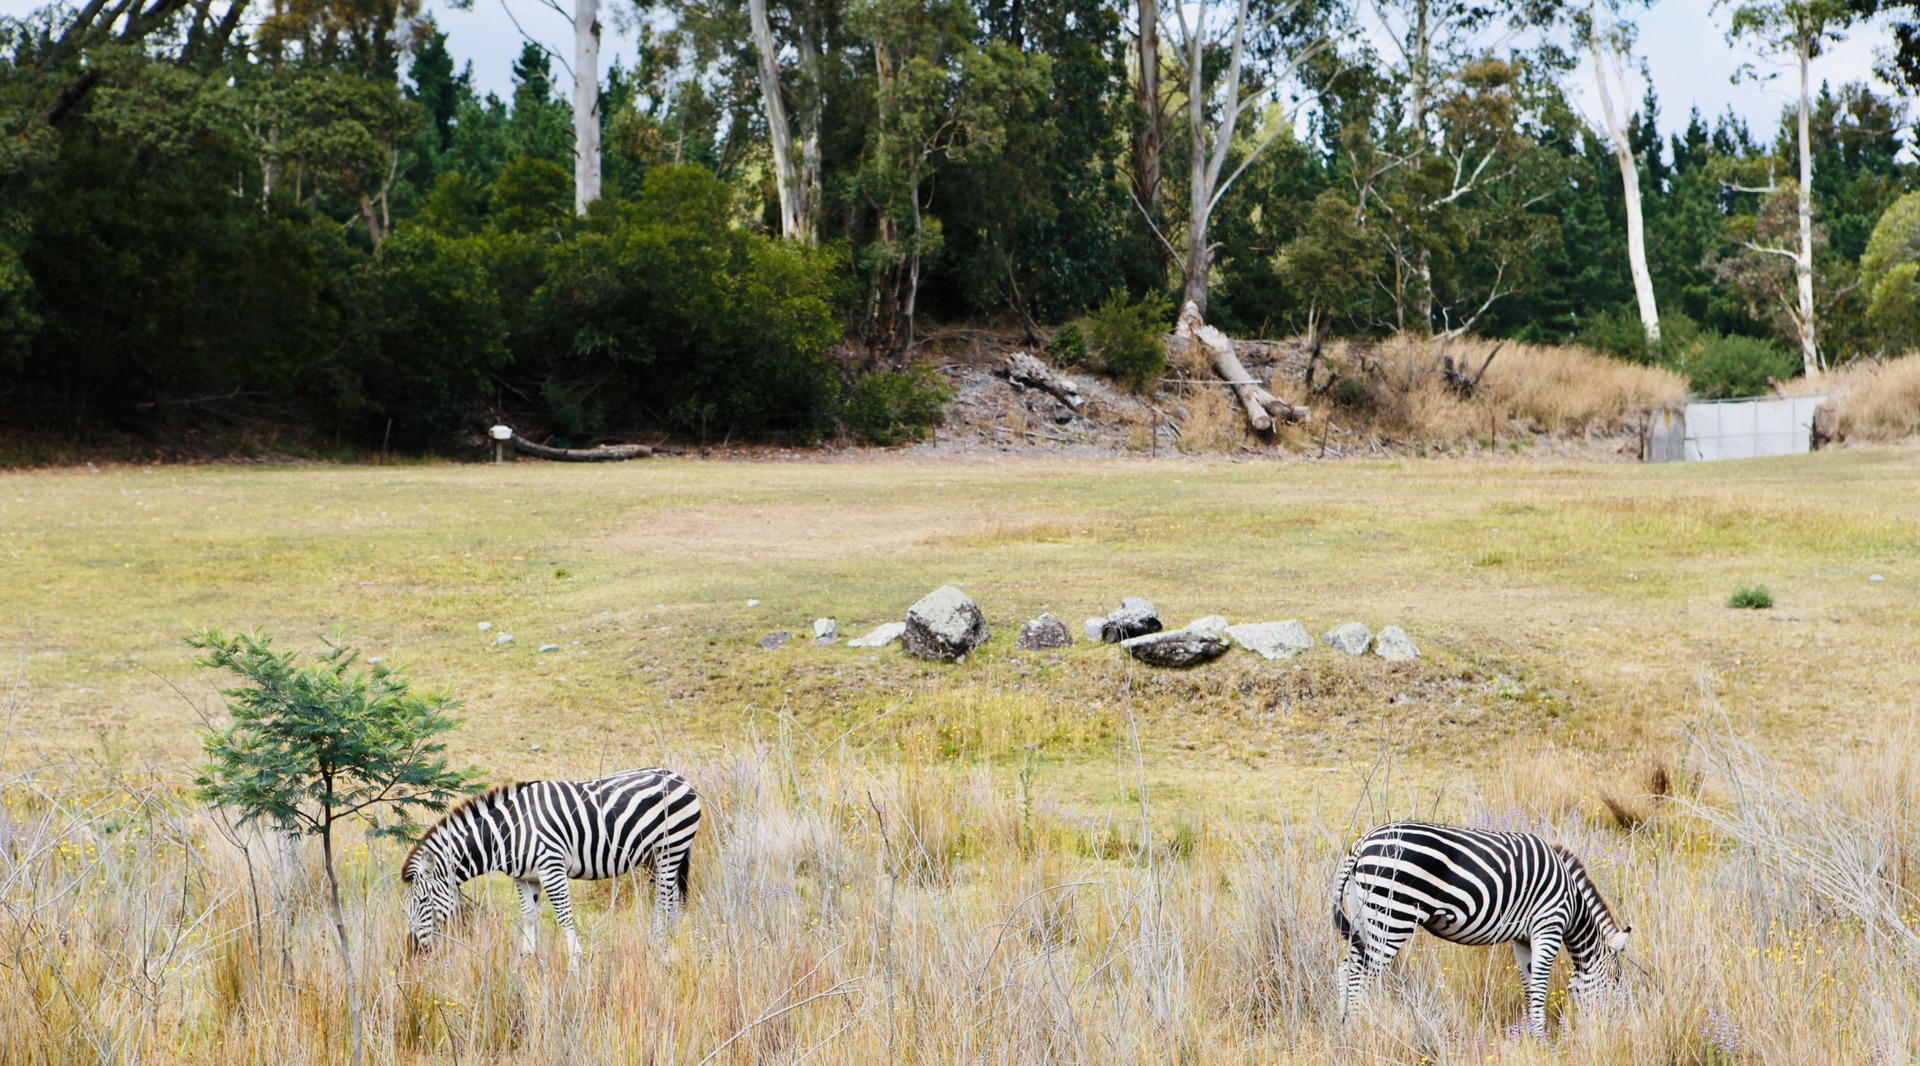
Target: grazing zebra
(540, 833)
(1474, 887)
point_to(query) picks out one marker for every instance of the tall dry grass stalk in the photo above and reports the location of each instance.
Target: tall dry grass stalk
(848, 911)
(1872, 400)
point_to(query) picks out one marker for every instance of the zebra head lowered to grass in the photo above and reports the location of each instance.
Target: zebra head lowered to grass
(1474, 887)
(541, 833)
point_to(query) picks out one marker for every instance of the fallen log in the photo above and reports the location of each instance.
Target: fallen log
(1026, 371)
(605, 453)
(1263, 407)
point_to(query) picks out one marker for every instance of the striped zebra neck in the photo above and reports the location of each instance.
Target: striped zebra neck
(1593, 925)
(469, 840)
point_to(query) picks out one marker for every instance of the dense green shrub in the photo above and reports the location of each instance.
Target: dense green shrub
(1722, 367)
(1130, 338)
(1069, 347)
(663, 311)
(1756, 598)
(892, 408)
(1717, 366)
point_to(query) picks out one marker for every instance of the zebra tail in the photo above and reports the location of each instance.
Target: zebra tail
(1341, 924)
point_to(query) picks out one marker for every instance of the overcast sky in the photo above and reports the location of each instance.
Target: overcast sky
(1683, 42)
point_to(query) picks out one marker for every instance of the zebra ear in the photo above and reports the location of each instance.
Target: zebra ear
(1619, 941)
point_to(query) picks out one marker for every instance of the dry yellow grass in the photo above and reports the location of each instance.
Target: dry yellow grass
(1530, 388)
(856, 911)
(1872, 400)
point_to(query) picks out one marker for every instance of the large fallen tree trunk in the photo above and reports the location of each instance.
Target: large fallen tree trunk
(1263, 407)
(1024, 370)
(605, 453)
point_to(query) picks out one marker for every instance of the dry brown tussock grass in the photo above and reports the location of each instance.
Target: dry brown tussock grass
(851, 911)
(1526, 388)
(1873, 400)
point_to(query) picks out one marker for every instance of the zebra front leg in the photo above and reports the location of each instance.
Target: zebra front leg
(555, 883)
(529, 915)
(1535, 970)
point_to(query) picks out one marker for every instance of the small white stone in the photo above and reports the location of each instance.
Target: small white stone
(753, 603)
(882, 636)
(504, 638)
(484, 626)
(1876, 577)
(378, 659)
(549, 647)
(536, 747)
(825, 629)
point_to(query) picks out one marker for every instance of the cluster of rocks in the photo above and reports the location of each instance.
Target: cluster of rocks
(947, 625)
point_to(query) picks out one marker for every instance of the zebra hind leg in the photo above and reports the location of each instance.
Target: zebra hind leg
(669, 875)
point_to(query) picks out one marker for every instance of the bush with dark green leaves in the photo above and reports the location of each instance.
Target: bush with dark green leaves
(1724, 367)
(1069, 347)
(1756, 598)
(1130, 338)
(893, 407)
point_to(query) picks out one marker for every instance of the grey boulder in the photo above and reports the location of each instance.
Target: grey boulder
(1042, 633)
(1393, 645)
(1093, 626)
(1212, 623)
(882, 636)
(1272, 640)
(825, 631)
(945, 624)
(1177, 648)
(775, 640)
(1134, 617)
(1350, 637)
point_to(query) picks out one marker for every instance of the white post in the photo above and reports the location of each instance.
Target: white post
(586, 104)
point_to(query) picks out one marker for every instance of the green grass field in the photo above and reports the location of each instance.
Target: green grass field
(1573, 608)
(975, 862)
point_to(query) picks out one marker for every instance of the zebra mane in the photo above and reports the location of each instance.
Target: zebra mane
(406, 864)
(1579, 870)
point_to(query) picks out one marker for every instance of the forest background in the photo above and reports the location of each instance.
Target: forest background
(303, 214)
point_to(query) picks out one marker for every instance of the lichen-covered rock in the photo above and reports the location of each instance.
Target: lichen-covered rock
(1134, 617)
(1272, 640)
(1042, 633)
(1093, 626)
(882, 635)
(945, 624)
(774, 640)
(1177, 648)
(1350, 637)
(1393, 645)
(825, 631)
(1212, 623)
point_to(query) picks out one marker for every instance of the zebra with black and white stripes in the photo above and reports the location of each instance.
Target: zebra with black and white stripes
(1474, 887)
(540, 833)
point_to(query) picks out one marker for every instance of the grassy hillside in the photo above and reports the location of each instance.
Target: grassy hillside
(1027, 856)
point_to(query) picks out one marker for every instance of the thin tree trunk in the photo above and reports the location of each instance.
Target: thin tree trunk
(1803, 263)
(1199, 192)
(1420, 73)
(586, 104)
(810, 122)
(1629, 181)
(1150, 138)
(340, 929)
(786, 182)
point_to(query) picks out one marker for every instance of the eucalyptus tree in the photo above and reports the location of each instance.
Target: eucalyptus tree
(1266, 48)
(1799, 31)
(1609, 42)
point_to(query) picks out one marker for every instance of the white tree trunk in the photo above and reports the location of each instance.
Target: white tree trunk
(810, 122)
(1629, 179)
(586, 104)
(1198, 190)
(1803, 263)
(786, 180)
